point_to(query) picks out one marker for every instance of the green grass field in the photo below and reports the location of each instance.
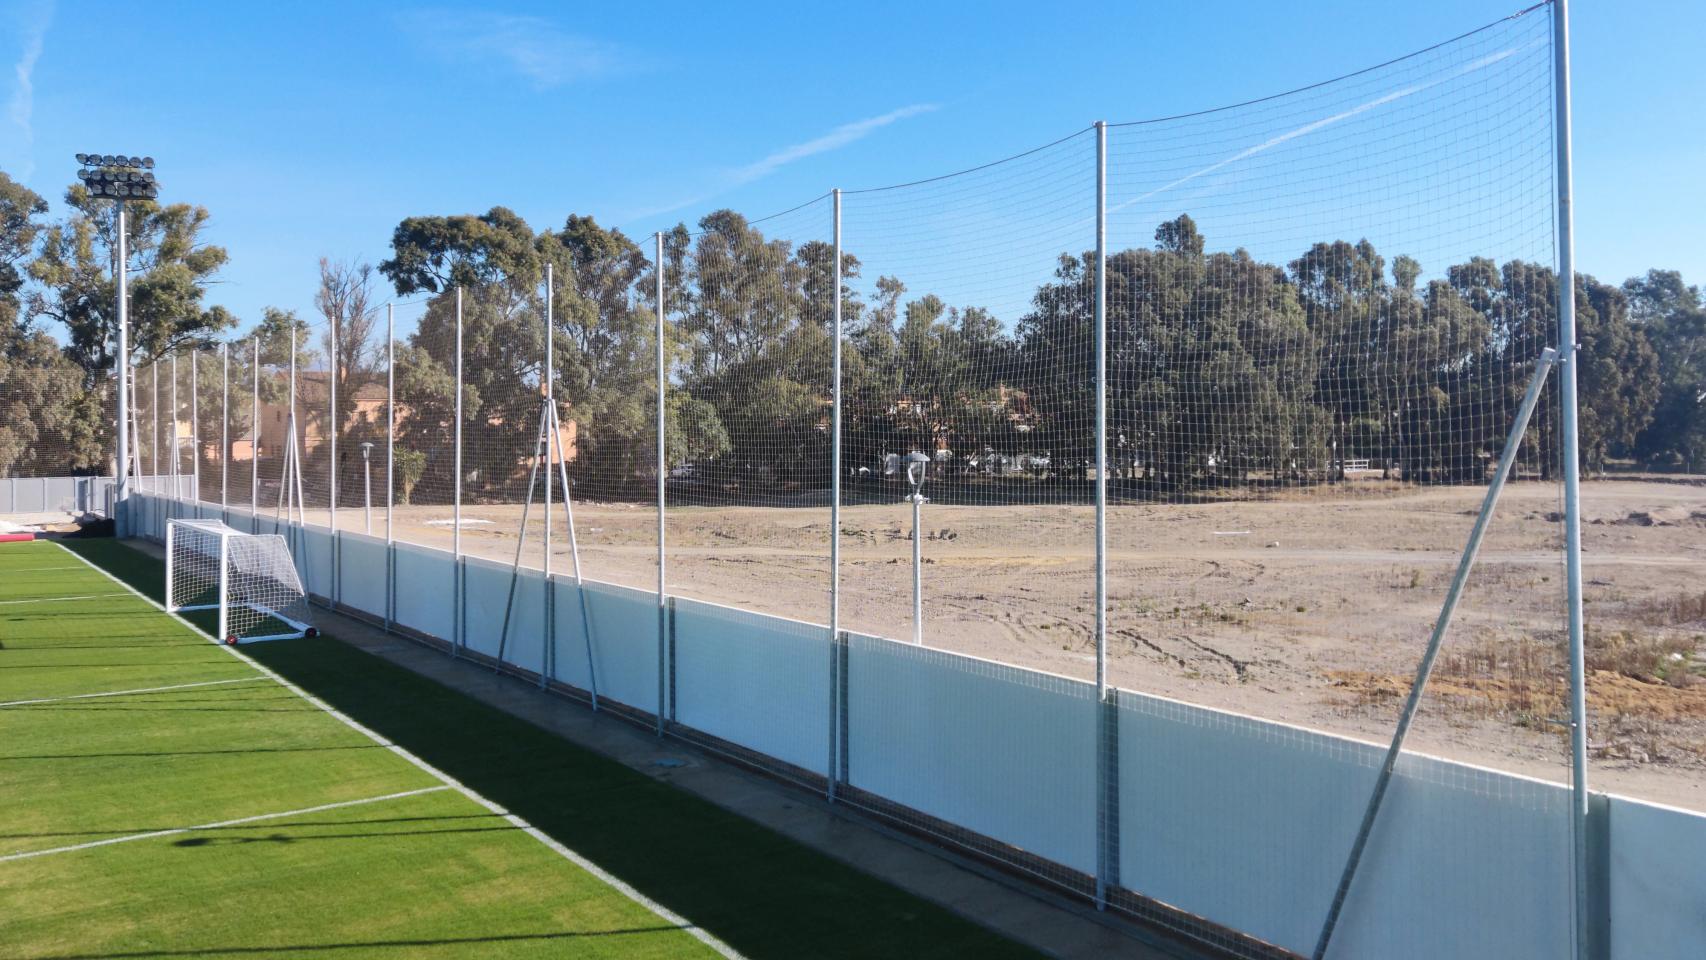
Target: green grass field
(161, 797)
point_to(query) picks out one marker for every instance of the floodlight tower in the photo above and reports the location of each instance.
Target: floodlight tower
(917, 466)
(120, 178)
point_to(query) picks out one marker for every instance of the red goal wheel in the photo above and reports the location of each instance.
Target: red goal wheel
(311, 633)
(231, 641)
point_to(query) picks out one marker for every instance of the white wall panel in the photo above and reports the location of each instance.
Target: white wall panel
(425, 590)
(758, 681)
(1658, 882)
(1005, 752)
(361, 573)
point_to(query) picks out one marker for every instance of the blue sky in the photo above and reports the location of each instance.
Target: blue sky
(310, 129)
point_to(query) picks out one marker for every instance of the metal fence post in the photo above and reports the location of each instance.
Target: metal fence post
(336, 545)
(195, 424)
(1107, 718)
(456, 512)
(835, 638)
(255, 441)
(548, 660)
(172, 431)
(390, 463)
(1565, 217)
(662, 476)
(332, 439)
(224, 429)
(154, 441)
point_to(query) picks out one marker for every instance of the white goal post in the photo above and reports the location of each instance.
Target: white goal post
(249, 578)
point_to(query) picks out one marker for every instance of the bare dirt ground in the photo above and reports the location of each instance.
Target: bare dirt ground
(1312, 607)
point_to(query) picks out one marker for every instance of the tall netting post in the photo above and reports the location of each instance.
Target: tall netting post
(224, 428)
(174, 451)
(390, 464)
(554, 455)
(1107, 720)
(334, 426)
(660, 400)
(837, 643)
(195, 424)
(154, 427)
(459, 600)
(255, 417)
(1588, 939)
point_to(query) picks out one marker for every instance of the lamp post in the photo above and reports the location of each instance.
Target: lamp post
(120, 178)
(917, 466)
(367, 481)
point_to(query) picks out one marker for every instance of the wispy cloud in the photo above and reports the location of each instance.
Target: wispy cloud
(20, 108)
(835, 139)
(532, 47)
(1323, 123)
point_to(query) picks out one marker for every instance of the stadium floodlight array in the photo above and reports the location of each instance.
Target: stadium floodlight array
(249, 578)
(118, 177)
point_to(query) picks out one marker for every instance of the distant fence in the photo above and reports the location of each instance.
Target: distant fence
(1229, 827)
(75, 495)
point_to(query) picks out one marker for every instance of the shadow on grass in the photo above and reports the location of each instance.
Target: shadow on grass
(293, 824)
(294, 948)
(278, 836)
(185, 753)
(763, 894)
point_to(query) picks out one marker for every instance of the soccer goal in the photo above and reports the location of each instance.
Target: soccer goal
(249, 578)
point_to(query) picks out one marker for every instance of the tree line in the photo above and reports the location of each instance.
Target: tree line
(1223, 368)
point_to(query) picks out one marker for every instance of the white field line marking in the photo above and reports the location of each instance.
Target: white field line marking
(662, 912)
(124, 693)
(87, 596)
(223, 823)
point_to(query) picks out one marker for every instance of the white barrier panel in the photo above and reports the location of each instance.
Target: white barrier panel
(361, 573)
(1453, 841)
(1005, 752)
(136, 509)
(483, 588)
(487, 589)
(570, 638)
(425, 590)
(1658, 881)
(758, 681)
(314, 559)
(1247, 823)
(525, 646)
(625, 641)
(136, 515)
(1274, 807)
(240, 518)
(157, 517)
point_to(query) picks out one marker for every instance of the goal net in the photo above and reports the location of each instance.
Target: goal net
(249, 578)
